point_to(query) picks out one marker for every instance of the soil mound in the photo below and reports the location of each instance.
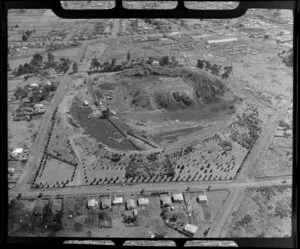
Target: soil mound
(177, 88)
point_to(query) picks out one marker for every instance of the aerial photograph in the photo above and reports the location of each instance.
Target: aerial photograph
(150, 128)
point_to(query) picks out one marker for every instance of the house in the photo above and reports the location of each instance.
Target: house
(37, 106)
(39, 207)
(202, 198)
(130, 204)
(57, 205)
(155, 63)
(105, 203)
(117, 200)
(85, 103)
(191, 229)
(92, 203)
(177, 197)
(48, 83)
(16, 152)
(143, 202)
(34, 85)
(166, 201)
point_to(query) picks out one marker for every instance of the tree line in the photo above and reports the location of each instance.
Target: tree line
(215, 69)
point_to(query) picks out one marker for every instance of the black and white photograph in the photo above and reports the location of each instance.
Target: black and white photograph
(150, 127)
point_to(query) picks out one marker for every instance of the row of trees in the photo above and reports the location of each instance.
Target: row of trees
(37, 64)
(215, 69)
(129, 63)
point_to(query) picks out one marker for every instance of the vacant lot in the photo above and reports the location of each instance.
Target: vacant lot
(263, 212)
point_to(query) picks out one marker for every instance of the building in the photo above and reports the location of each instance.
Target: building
(85, 103)
(155, 63)
(135, 212)
(16, 152)
(117, 200)
(166, 201)
(92, 203)
(34, 85)
(202, 198)
(39, 207)
(191, 229)
(143, 202)
(38, 106)
(177, 197)
(105, 203)
(212, 42)
(57, 205)
(130, 204)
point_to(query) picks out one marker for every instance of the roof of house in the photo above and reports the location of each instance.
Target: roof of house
(57, 205)
(17, 150)
(177, 196)
(166, 200)
(130, 203)
(118, 200)
(92, 203)
(105, 202)
(190, 228)
(143, 201)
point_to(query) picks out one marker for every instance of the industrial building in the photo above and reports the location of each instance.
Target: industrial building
(212, 42)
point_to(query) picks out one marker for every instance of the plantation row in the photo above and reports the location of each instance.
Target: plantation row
(38, 182)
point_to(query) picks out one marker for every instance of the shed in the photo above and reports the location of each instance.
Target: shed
(117, 200)
(105, 203)
(92, 203)
(17, 151)
(177, 197)
(155, 63)
(48, 83)
(134, 212)
(166, 201)
(130, 204)
(232, 39)
(143, 201)
(202, 198)
(191, 229)
(85, 103)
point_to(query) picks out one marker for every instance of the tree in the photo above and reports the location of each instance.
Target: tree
(36, 60)
(28, 33)
(164, 61)
(113, 63)
(208, 66)
(24, 38)
(75, 67)
(95, 64)
(50, 57)
(128, 56)
(200, 64)
(216, 69)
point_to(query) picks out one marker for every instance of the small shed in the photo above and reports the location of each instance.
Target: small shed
(191, 229)
(177, 197)
(202, 198)
(85, 103)
(92, 203)
(155, 63)
(16, 152)
(117, 200)
(105, 203)
(166, 201)
(130, 204)
(143, 201)
(135, 212)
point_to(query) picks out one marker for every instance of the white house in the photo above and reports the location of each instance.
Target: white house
(143, 201)
(130, 204)
(38, 106)
(190, 229)
(177, 197)
(92, 203)
(202, 198)
(34, 85)
(117, 200)
(16, 152)
(155, 63)
(85, 103)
